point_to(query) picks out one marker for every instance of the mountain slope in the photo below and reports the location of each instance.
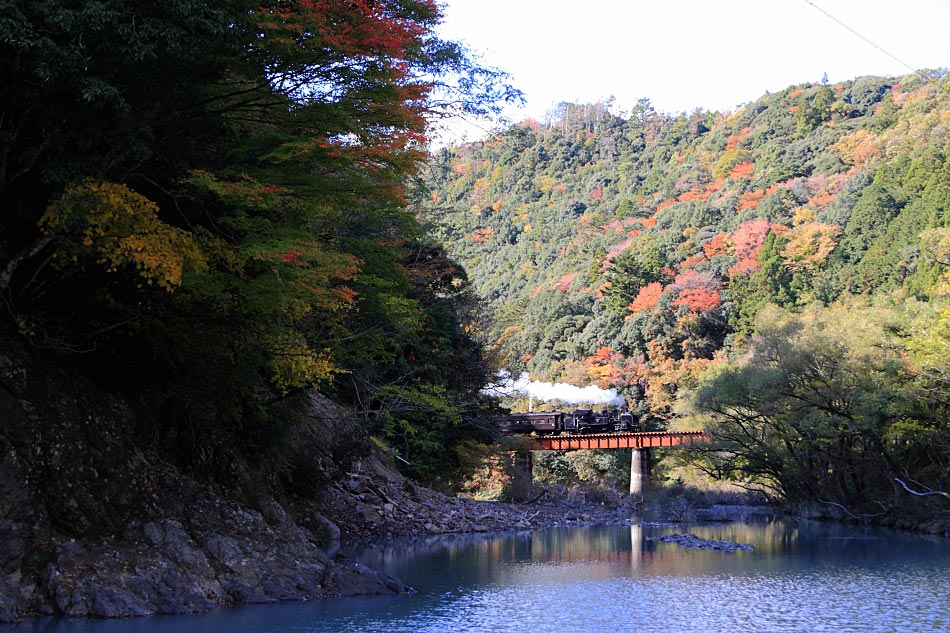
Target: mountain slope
(775, 275)
(645, 233)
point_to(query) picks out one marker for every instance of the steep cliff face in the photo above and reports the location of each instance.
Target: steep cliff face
(92, 524)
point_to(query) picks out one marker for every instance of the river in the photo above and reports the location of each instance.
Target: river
(800, 577)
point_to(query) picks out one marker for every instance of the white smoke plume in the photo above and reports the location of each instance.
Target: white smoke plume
(506, 386)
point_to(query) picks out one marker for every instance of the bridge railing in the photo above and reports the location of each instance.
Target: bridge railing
(648, 439)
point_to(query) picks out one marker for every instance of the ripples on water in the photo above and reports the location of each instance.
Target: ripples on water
(799, 578)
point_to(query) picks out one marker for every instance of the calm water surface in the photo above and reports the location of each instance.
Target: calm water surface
(801, 577)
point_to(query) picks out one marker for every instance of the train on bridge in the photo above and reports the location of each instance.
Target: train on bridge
(580, 421)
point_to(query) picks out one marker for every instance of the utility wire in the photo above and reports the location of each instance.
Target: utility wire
(901, 62)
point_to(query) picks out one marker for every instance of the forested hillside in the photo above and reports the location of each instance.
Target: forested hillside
(776, 274)
(203, 209)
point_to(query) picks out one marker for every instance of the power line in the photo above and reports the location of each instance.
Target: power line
(889, 54)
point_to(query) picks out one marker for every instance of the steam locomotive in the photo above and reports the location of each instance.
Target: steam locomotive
(578, 422)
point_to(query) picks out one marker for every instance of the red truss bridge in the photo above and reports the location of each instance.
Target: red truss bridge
(649, 439)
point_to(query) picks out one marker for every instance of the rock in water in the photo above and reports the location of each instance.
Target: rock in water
(696, 542)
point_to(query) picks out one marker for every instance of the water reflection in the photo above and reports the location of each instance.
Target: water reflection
(800, 577)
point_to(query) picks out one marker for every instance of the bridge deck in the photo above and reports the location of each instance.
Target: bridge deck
(617, 440)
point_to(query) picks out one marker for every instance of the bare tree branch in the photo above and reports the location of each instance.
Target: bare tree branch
(12, 265)
(926, 493)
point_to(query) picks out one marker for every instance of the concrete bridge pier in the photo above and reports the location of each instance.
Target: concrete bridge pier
(521, 486)
(639, 471)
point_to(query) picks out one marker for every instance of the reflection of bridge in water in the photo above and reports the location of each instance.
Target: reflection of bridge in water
(641, 443)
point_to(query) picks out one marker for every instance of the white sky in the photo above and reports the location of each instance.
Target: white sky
(684, 54)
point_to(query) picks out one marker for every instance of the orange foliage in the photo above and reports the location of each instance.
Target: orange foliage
(692, 194)
(603, 355)
(698, 299)
(742, 170)
(750, 200)
(692, 260)
(859, 148)
(606, 368)
(744, 266)
(647, 298)
(345, 293)
(713, 187)
(596, 194)
(697, 291)
(747, 242)
(718, 245)
(665, 377)
(732, 142)
(822, 201)
(647, 222)
(480, 236)
(292, 257)
(665, 204)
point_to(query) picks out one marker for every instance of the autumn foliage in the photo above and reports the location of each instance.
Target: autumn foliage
(205, 205)
(658, 241)
(747, 241)
(647, 298)
(110, 225)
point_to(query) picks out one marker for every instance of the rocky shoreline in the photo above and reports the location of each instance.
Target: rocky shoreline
(213, 551)
(95, 524)
(375, 502)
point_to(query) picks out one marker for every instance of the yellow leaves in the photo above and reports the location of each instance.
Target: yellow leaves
(119, 228)
(729, 160)
(546, 183)
(935, 248)
(858, 148)
(809, 244)
(295, 365)
(803, 215)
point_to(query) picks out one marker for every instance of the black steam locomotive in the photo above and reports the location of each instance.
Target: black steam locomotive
(580, 421)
